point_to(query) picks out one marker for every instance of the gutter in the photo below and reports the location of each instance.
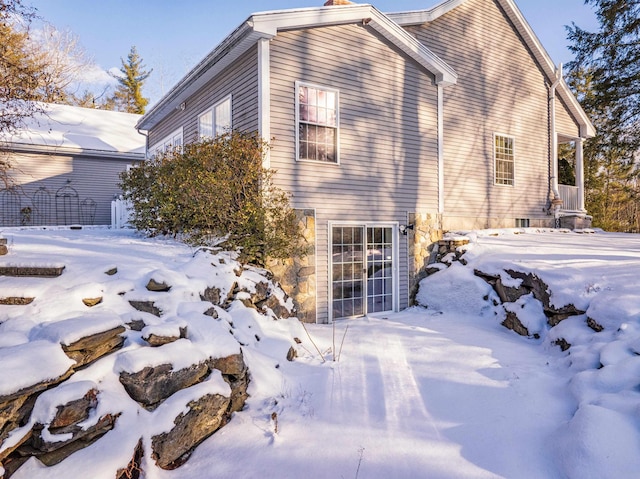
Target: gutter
(65, 150)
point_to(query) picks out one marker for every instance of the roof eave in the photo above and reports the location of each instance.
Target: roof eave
(587, 129)
(224, 54)
(66, 150)
(268, 24)
(418, 17)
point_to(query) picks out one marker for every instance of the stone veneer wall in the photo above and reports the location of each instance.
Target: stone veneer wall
(427, 230)
(574, 222)
(459, 223)
(297, 276)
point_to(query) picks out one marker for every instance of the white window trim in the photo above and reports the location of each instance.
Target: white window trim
(212, 110)
(161, 144)
(298, 84)
(396, 260)
(495, 160)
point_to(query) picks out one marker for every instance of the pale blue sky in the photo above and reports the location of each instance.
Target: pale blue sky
(172, 36)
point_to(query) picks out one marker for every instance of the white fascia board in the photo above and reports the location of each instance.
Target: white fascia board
(418, 17)
(269, 23)
(219, 58)
(444, 74)
(67, 151)
(524, 29)
(587, 129)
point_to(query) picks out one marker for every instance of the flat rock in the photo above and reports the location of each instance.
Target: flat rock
(90, 348)
(32, 271)
(74, 412)
(157, 286)
(54, 453)
(206, 415)
(512, 322)
(156, 340)
(16, 301)
(279, 310)
(91, 302)
(233, 365)
(152, 385)
(146, 307)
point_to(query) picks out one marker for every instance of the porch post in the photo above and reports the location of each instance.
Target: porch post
(580, 174)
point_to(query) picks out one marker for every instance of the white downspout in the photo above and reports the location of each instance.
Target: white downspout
(145, 133)
(440, 149)
(264, 96)
(556, 201)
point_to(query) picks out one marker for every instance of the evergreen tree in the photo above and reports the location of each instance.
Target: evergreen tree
(128, 95)
(605, 75)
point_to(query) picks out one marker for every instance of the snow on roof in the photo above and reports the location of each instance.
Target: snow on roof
(68, 128)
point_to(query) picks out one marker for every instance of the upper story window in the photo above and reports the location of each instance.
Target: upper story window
(504, 159)
(215, 121)
(317, 123)
(174, 140)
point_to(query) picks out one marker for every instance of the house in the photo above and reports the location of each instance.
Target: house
(388, 129)
(65, 164)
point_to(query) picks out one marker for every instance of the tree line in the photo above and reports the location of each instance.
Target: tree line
(605, 76)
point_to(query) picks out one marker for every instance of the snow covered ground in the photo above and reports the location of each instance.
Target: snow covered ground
(437, 392)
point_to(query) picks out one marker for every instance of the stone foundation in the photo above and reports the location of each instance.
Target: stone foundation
(460, 223)
(297, 276)
(427, 231)
(575, 222)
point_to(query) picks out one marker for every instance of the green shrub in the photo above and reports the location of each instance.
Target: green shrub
(214, 192)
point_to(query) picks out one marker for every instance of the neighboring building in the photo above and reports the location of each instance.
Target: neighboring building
(387, 130)
(66, 165)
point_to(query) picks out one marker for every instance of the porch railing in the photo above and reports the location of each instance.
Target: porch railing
(569, 195)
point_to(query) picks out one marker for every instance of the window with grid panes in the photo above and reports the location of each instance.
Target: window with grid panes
(317, 118)
(504, 160)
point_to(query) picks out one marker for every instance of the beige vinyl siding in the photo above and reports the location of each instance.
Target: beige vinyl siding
(91, 177)
(240, 81)
(387, 135)
(565, 124)
(500, 90)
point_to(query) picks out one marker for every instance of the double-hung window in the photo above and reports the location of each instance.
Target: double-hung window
(216, 120)
(174, 140)
(504, 159)
(317, 123)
